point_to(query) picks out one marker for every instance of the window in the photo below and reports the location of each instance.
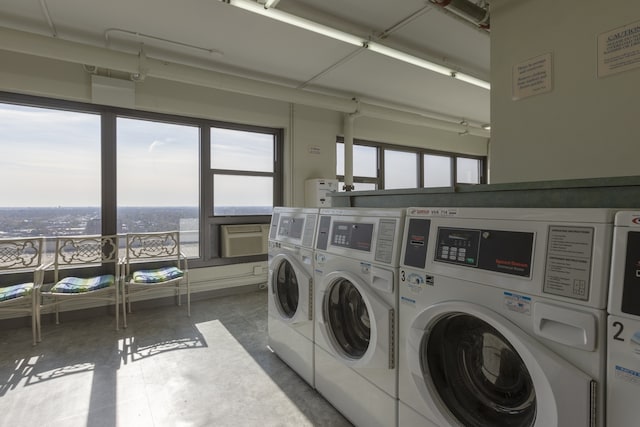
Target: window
(365, 167)
(406, 167)
(51, 172)
(400, 169)
(468, 171)
(158, 179)
(242, 164)
(437, 171)
(80, 168)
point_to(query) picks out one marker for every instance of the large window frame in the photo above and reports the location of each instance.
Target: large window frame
(381, 147)
(209, 224)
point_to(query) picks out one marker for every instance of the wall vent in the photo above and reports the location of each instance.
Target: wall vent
(244, 239)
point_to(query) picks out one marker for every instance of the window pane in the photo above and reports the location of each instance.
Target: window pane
(468, 171)
(51, 170)
(365, 161)
(359, 186)
(242, 195)
(339, 159)
(239, 150)
(158, 179)
(400, 169)
(437, 171)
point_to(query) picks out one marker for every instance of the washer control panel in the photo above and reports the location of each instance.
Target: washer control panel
(508, 252)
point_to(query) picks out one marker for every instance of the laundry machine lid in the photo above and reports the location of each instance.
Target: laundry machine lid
(474, 367)
(290, 289)
(355, 322)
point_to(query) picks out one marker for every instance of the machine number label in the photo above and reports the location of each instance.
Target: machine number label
(616, 335)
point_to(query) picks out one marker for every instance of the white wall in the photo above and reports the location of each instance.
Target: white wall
(586, 126)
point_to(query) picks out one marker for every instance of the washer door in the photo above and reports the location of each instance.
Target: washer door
(290, 287)
(355, 322)
(474, 367)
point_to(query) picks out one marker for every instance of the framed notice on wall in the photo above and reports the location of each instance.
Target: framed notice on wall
(532, 77)
(619, 50)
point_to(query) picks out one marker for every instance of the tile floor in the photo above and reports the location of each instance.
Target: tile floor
(165, 369)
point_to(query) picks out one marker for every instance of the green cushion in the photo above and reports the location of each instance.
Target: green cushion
(75, 285)
(157, 276)
(15, 291)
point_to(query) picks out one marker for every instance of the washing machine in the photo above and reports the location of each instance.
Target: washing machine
(290, 288)
(623, 342)
(503, 317)
(356, 301)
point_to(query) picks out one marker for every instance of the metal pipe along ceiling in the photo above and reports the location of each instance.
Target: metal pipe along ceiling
(64, 50)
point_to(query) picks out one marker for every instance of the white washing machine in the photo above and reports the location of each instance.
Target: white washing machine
(503, 317)
(356, 298)
(623, 343)
(290, 288)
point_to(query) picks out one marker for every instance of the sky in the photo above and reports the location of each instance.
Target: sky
(52, 158)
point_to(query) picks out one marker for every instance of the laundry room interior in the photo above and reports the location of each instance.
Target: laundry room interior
(340, 213)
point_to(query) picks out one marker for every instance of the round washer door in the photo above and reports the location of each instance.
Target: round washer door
(355, 322)
(290, 289)
(473, 367)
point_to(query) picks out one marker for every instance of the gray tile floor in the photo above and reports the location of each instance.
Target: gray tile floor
(165, 369)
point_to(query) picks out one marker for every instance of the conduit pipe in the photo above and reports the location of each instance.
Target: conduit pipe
(348, 148)
(64, 50)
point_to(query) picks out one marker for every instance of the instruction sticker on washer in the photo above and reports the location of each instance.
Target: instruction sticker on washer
(517, 303)
(384, 245)
(629, 375)
(568, 263)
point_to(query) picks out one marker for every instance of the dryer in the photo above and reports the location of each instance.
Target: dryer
(290, 288)
(356, 297)
(623, 342)
(503, 317)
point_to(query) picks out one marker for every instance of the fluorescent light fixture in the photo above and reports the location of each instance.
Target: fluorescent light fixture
(278, 15)
(271, 3)
(472, 80)
(405, 57)
(296, 21)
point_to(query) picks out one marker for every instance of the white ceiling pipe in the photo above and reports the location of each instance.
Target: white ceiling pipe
(64, 50)
(413, 118)
(230, 83)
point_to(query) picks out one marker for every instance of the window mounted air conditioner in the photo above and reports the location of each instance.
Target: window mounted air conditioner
(244, 239)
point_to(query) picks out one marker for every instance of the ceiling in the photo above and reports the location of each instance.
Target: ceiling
(215, 35)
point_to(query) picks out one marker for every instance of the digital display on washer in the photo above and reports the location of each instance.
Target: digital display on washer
(291, 227)
(631, 285)
(508, 252)
(352, 235)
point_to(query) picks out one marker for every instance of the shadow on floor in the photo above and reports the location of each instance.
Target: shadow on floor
(164, 369)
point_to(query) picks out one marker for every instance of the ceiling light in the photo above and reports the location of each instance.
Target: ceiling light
(471, 80)
(405, 57)
(271, 3)
(486, 126)
(324, 30)
(296, 21)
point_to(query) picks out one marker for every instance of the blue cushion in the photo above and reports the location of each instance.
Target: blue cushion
(15, 291)
(157, 276)
(75, 285)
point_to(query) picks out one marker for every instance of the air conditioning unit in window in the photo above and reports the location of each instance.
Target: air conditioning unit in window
(244, 239)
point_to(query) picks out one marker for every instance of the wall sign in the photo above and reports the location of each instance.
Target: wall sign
(314, 149)
(532, 77)
(619, 50)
